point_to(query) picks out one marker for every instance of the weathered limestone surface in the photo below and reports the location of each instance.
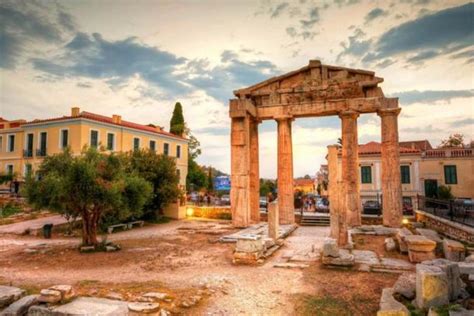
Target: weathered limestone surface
(248, 250)
(454, 250)
(350, 167)
(389, 306)
(92, 306)
(391, 182)
(9, 294)
(334, 208)
(138, 309)
(50, 296)
(285, 172)
(21, 306)
(390, 244)
(273, 221)
(333, 256)
(432, 235)
(431, 286)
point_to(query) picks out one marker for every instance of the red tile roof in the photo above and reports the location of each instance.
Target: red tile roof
(108, 120)
(422, 145)
(373, 148)
(303, 182)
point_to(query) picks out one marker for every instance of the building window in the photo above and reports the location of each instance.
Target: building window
(28, 170)
(405, 174)
(64, 138)
(29, 145)
(42, 144)
(366, 174)
(166, 149)
(136, 143)
(153, 145)
(178, 151)
(1, 143)
(110, 141)
(450, 175)
(94, 141)
(9, 169)
(11, 143)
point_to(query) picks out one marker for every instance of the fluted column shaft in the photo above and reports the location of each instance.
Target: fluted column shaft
(285, 171)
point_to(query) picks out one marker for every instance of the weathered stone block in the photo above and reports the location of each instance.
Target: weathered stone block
(453, 274)
(65, 290)
(466, 267)
(247, 257)
(50, 296)
(389, 306)
(136, 309)
(454, 250)
(344, 259)
(20, 307)
(390, 244)
(330, 248)
(431, 286)
(420, 243)
(9, 294)
(249, 245)
(420, 256)
(432, 235)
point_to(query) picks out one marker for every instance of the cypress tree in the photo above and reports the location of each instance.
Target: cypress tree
(177, 125)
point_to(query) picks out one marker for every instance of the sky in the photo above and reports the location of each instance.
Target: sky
(137, 58)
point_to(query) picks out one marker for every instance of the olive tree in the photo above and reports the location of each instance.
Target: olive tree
(90, 185)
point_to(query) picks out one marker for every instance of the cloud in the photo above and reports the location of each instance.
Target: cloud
(440, 33)
(374, 14)
(420, 57)
(463, 122)
(277, 11)
(23, 24)
(116, 61)
(357, 45)
(431, 96)
(313, 18)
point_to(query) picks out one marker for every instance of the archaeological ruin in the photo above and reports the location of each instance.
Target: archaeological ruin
(313, 91)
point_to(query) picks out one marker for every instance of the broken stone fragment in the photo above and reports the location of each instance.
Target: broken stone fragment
(401, 234)
(406, 286)
(65, 290)
(50, 296)
(455, 284)
(420, 248)
(21, 306)
(156, 295)
(344, 259)
(249, 245)
(431, 235)
(390, 244)
(143, 308)
(114, 296)
(389, 306)
(330, 248)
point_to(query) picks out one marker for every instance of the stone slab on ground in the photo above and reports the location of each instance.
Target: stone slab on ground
(389, 306)
(258, 229)
(365, 257)
(289, 265)
(9, 294)
(21, 306)
(345, 259)
(92, 306)
(393, 265)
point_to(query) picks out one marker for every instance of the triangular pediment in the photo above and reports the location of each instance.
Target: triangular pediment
(313, 82)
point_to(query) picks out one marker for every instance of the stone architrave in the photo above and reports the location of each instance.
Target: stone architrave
(273, 220)
(285, 171)
(350, 167)
(391, 181)
(334, 208)
(254, 173)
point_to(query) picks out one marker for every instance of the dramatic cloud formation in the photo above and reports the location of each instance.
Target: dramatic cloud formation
(374, 14)
(411, 97)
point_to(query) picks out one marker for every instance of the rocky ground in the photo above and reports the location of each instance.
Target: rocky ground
(184, 260)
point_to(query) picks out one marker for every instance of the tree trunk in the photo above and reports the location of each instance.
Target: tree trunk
(89, 229)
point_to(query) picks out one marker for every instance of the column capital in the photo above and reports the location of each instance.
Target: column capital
(349, 114)
(283, 117)
(389, 112)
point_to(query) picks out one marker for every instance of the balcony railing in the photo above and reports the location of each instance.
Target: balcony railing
(448, 152)
(41, 152)
(461, 211)
(28, 153)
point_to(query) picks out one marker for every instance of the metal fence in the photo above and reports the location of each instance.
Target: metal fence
(461, 211)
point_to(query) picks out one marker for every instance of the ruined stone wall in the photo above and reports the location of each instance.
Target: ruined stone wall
(446, 227)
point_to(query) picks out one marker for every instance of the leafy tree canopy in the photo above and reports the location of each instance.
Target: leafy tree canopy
(454, 140)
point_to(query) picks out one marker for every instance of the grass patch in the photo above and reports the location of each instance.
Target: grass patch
(324, 306)
(9, 209)
(160, 220)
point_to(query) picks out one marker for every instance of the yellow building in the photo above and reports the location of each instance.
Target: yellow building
(23, 144)
(422, 168)
(304, 185)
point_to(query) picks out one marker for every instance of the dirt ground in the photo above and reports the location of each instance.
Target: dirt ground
(184, 259)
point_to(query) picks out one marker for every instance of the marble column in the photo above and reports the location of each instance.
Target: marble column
(391, 179)
(285, 171)
(254, 173)
(240, 171)
(334, 208)
(350, 168)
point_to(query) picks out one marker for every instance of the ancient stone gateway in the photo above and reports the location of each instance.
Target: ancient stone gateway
(314, 90)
